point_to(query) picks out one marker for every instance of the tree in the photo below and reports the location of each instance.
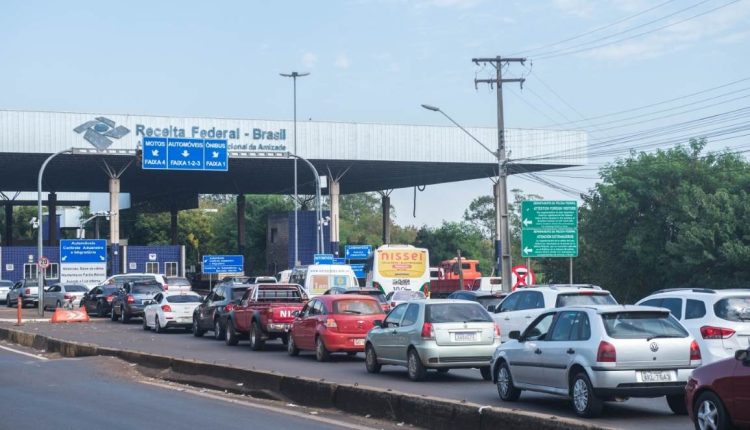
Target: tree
(444, 241)
(361, 222)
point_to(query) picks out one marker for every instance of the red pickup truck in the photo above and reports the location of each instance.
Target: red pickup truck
(265, 312)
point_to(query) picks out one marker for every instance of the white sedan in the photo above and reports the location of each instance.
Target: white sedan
(170, 310)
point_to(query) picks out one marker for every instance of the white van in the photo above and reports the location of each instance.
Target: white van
(316, 279)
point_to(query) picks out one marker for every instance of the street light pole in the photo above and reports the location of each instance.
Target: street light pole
(40, 228)
(294, 76)
(318, 210)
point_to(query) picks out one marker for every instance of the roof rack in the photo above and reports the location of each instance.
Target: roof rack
(695, 290)
(556, 286)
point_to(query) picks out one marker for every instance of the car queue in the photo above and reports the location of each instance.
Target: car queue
(569, 340)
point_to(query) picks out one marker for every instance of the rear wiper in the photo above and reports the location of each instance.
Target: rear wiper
(476, 320)
(352, 312)
(661, 336)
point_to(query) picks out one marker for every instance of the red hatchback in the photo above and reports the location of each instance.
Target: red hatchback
(718, 394)
(334, 323)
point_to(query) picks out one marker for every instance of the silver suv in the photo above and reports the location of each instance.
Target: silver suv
(719, 320)
(599, 353)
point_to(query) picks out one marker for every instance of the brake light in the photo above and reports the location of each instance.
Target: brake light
(166, 287)
(28, 291)
(393, 304)
(228, 307)
(68, 296)
(166, 308)
(110, 298)
(497, 331)
(331, 323)
(709, 332)
(695, 351)
(130, 299)
(428, 332)
(606, 353)
(586, 293)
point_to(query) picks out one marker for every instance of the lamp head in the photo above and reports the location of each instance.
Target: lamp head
(432, 108)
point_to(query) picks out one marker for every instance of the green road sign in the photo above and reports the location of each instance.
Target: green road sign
(549, 214)
(549, 228)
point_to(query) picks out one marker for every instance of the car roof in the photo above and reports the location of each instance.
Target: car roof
(606, 309)
(561, 287)
(700, 291)
(483, 293)
(334, 297)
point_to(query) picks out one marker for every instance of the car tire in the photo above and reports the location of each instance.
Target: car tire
(197, 330)
(416, 369)
(230, 336)
(219, 333)
(291, 347)
(585, 403)
(321, 352)
(145, 324)
(58, 304)
(709, 409)
(505, 388)
(124, 317)
(7, 301)
(113, 315)
(157, 326)
(256, 337)
(677, 404)
(285, 339)
(99, 310)
(371, 360)
(486, 372)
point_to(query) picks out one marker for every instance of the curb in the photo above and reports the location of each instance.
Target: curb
(420, 411)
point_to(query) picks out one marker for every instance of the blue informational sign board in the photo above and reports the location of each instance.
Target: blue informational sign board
(171, 153)
(223, 264)
(323, 259)
(357, 252)
(83, 251)
(339, 261)
(359, 270)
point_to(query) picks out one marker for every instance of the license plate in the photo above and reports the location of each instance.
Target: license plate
(359, 342)
(657, 376)
(466, 336)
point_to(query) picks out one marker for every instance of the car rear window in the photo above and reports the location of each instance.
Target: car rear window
(146, 289)
(109, 289)
(376, 294)
(187, 298)
(407, 295)
(178, 281)
(642, 325)
(272, 294)
(76, 288)
(356, 307)
(237, 293)
(489, 300)
(733, 308)
(584, 298)
(456, 312)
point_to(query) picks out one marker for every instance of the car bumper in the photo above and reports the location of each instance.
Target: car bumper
(278, 327)
(134, 310)
(456, 356)
(178, 320)
(344, 342)
(625, 383)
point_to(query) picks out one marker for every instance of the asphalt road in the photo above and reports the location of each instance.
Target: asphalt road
(457, 384)
(96, 393)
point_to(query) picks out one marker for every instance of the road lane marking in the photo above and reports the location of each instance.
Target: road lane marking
(324, 420)
(24, 353)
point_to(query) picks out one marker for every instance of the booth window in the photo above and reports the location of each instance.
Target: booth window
(152, 267)
(170, 268)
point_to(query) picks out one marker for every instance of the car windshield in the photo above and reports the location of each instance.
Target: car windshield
(402, 295)
(642, 325)
(356, 307)
(76, 288)
(237, 293)
(456, 312)
(133, 279)
(110, 289)
(184, 298)
(733, 308)
(146, 289)
(585, 298)
(178, 281)
(489, 301)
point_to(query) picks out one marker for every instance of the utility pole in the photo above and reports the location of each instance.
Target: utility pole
(502, 231)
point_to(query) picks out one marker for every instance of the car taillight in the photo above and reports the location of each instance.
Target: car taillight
(166, 308)
(428, 332)
(68, 296)
(331, 323)
(110, 298)
(497, 331)
(28, 291)
(130, 299)
(709, 332)
(695, 351)
(393, 304)
(166, 287)
(606, 353)
(228, 307)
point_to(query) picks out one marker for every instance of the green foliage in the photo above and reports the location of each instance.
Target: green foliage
(361, 222)
(443, 243)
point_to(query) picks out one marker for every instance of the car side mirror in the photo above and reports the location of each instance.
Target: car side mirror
(491, 308)
(515, 334)
(295, 314)
(378, 323)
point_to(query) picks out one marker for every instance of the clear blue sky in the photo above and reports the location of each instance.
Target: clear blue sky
(378, 60)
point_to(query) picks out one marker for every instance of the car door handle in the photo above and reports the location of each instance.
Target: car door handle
(570, 351)
(507, 319)
(393, 332)
(528, 316)
(537, 351)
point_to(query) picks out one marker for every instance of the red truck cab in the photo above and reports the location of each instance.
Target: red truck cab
(265, 312)
(449, 274)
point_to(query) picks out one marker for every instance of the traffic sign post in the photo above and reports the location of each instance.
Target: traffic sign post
(223, 264)
(357, 252)
(522, 276)
(549, 228)
(43, 263)
(167, 153)
(83, 261)
(323, 259)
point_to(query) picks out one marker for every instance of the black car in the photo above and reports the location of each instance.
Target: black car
(129, 300)
(212, 313)
(99, 300)
(485, 298)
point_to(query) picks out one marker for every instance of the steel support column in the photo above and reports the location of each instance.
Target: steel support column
(333, 191)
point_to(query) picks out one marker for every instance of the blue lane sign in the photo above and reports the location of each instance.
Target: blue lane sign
(339, 261)
(166, 153)
(323, 259)
(223, 264)
(83, 251)
(357, 252)
(359, 270)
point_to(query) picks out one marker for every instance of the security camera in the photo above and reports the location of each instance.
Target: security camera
(33, 222)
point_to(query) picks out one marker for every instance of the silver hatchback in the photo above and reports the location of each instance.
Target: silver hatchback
(433, 334)
(599, 353)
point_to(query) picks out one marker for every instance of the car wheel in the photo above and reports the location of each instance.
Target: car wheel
(676, 403)
(124, 317)
(230, 336)
(256, 337)
(7, 301)
(157, 326)
(219, 333)
(442, 370)
(505, 388)
(197, 331)
(371, 360)
(285, 339)
(486, 373)
(112, 314)
(585, 402)
(99, 310)
(291, 347)
(417, 372)
(58, 304)
(710, 413)
(321, 352)
(145, 324)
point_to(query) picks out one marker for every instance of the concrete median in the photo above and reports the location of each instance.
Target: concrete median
(420, 411)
